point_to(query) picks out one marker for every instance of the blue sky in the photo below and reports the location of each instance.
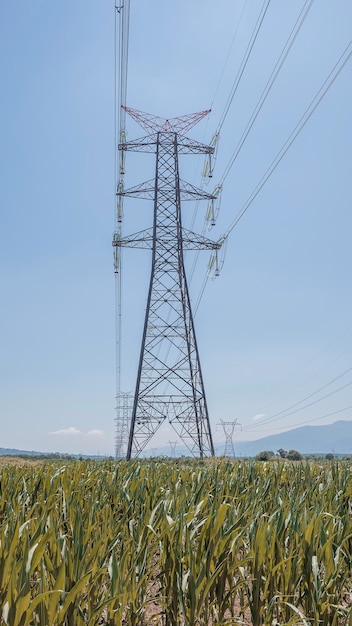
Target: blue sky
(275, 326)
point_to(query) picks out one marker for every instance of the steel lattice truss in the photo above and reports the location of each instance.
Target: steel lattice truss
(169, 381)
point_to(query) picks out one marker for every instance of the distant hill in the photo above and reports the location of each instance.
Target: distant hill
(16, 452)
(48, 455)
(335, 438)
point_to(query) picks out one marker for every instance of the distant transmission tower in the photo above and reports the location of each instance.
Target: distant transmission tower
(173, 445)
(123, 424)
(169, 380)
(229, 429)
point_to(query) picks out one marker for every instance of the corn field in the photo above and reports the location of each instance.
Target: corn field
(176, 543)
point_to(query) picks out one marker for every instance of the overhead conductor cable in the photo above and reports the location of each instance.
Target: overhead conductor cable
(212, 215)
(122, 18)
(321, 93)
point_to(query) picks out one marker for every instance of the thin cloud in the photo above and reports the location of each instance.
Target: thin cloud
(258, 417)
(95, 432)
(72, 430)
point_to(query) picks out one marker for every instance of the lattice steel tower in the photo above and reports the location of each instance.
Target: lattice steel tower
(229, 429)
(169, 380)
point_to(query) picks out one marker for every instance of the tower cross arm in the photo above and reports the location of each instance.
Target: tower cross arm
(146, 191)
(154, 123)
(142, 144)
(191, 192)
(144, 240)
(193, 241)
(185, 145)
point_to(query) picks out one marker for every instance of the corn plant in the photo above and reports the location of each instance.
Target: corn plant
(184, 543)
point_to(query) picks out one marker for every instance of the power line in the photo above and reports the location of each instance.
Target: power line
(337, 69)
(214, 140)
(304, 423)
(280, 413)
(279, 384)
(236, 82)
(203, 183)
(305, 406)
(123, 12)
(243, 65)
(122, 21)
(316, 419)
(229, 52)
(271, 80)
(321, 93)
(311, 395)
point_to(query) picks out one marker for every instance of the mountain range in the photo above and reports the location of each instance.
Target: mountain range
(335, 438)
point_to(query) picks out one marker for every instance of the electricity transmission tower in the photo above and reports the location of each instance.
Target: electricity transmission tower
(123, 421)
(229, 429)
(173, 445)
(169, 382)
